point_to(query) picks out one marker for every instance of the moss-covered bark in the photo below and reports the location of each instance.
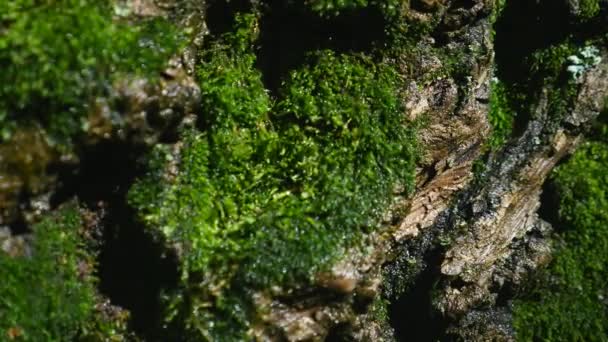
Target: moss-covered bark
(312, 187)
(566, 301)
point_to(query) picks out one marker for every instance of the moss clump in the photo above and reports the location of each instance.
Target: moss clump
(51, 295)
(548, 67)
(500, 115)
(56, 56)
(268, 194)
(334, 7)
(536, 67)
(497, 8)
(568, 300)
(588, 9)
(544, 68)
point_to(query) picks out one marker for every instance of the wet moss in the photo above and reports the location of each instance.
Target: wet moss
(57, 56)
(50, 295)
(547, 67)
(269, 191)
(567, 301)
(500, 115)
(588, 9)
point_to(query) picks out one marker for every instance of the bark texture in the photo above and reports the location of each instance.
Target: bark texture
(446, 260)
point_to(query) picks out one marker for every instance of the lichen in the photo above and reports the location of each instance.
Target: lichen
(24, 159)
(584, 60)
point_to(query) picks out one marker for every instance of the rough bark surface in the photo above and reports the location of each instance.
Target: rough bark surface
(470, 238)
(500, 239)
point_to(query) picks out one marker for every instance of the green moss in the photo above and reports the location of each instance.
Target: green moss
(379, 310)
(500, 115)
(334, 7)
(269, 194)
(379, 313)
(568, 300)
(546, 69)
(588, 9)
(50, 295)
(497, 8)
(232, 89)
(57, 55)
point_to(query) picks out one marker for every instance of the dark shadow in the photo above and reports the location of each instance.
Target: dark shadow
(19, 226)
(549, 205)
(340, 333)
(466, 4)
(523, 28)
(220, 14)
(133, 267)
(104, 173)
(412, 315)
(289, 32)
(133, 270)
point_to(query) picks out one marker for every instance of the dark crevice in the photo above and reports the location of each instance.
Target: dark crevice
(105, 172)
(340, 333)
(421, 6)
(15, 219)
(458, 283)
(19, 226)
(504, 296)
(549, 205)
(289, 32)
(220, 14)
(543, 24)
(133, 268)
(550, 201)
(466, 4)
(412, 315)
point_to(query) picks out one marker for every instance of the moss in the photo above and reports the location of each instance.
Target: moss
(380, 317)
(267, 194)
(548, 69)
(334, 7)
(379, 310)
(544, 68)
(567, 301)
(588, 9)
(51, 295)
(500, 115)
(497, 8)
(400, 275)
(57, 55)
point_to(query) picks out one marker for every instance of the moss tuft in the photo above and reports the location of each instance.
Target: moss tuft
(51, 295)
(544, 68)
(265, 194)
(568, 300)
(57, 55)
(588, 9)
(500, 115)
(334, 7)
